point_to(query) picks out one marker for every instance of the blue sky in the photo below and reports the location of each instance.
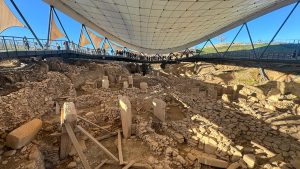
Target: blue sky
(263, 28)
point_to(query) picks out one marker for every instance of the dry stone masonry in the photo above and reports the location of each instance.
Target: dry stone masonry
(164, 123)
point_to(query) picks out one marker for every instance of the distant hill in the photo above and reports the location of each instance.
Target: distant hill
(258, 47)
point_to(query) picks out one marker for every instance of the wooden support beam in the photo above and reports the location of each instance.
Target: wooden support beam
(106, 136)
(101, 164)
(129, 164)
(98, 143)
(86, 120)
(137, 165)
(120, 147)
(77, 146)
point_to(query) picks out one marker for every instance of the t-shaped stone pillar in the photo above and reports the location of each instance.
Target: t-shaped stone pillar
(105, 84)
(130, 81)
(159, 107)
(126, 115)
(144, 87)
(125, 85)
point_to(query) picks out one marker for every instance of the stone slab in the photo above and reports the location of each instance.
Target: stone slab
(126, 115)
(159, 107)
(23, 134)
(105, 84)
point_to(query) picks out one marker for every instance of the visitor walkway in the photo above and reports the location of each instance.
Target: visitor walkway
(18, 47)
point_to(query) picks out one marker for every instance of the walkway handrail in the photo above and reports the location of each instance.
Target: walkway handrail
(15, 46)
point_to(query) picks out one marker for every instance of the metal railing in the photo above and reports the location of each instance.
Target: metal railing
(18, 45)
(11, 46)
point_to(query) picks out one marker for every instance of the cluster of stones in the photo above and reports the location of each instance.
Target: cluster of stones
(19, 141)
(241, 127)
(157, 143)
(36, 99)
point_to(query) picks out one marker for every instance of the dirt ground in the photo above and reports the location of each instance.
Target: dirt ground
(216, 116)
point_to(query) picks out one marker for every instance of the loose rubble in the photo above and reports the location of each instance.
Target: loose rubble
(164, 123)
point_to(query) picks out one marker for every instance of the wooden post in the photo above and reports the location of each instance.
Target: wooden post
(120, 148)
(68, 114)
(98, 143)
(129, 164)
(101, 164)
(77, 146)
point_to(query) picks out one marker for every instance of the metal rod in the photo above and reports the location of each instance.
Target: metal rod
(49, 27)
(264, 51)
(27, 24)
(5, 46)
(203, 47)
(250, 37)
(233, 40)
(89, 36)
(109, 43)
(214, 47)
(15, 46)
(80, 35)
(61, 25)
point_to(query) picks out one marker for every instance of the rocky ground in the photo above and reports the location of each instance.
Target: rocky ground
(217, 116)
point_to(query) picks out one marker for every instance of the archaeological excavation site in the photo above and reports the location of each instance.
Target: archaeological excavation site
(83, 114)
(149, 84)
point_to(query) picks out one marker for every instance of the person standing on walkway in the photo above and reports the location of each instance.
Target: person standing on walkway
(26, 44)
(57, 46)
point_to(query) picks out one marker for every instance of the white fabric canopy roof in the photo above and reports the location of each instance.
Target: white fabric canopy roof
(163, 26)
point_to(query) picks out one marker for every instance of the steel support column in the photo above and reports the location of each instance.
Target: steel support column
(286, 19)
(89, 36)
(61, 24)
(250, 37)
(106, 39)
(214, 47)
(233, 40)
(203, 47)
(80, 35)
(49, 27)
(27, 24)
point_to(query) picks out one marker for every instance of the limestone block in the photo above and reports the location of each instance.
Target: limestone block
(234, 165)
(105, 84)
(125, 85)
(105, 78)
(282, 87)
(23, 134)
(126, 115)
(250, 160)
(144, 86)
(119, 79)
(236, 90)
(211, 146)
(159, 107)
(130, 80)
(211, 161)
(226, 98)
(179, 138)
